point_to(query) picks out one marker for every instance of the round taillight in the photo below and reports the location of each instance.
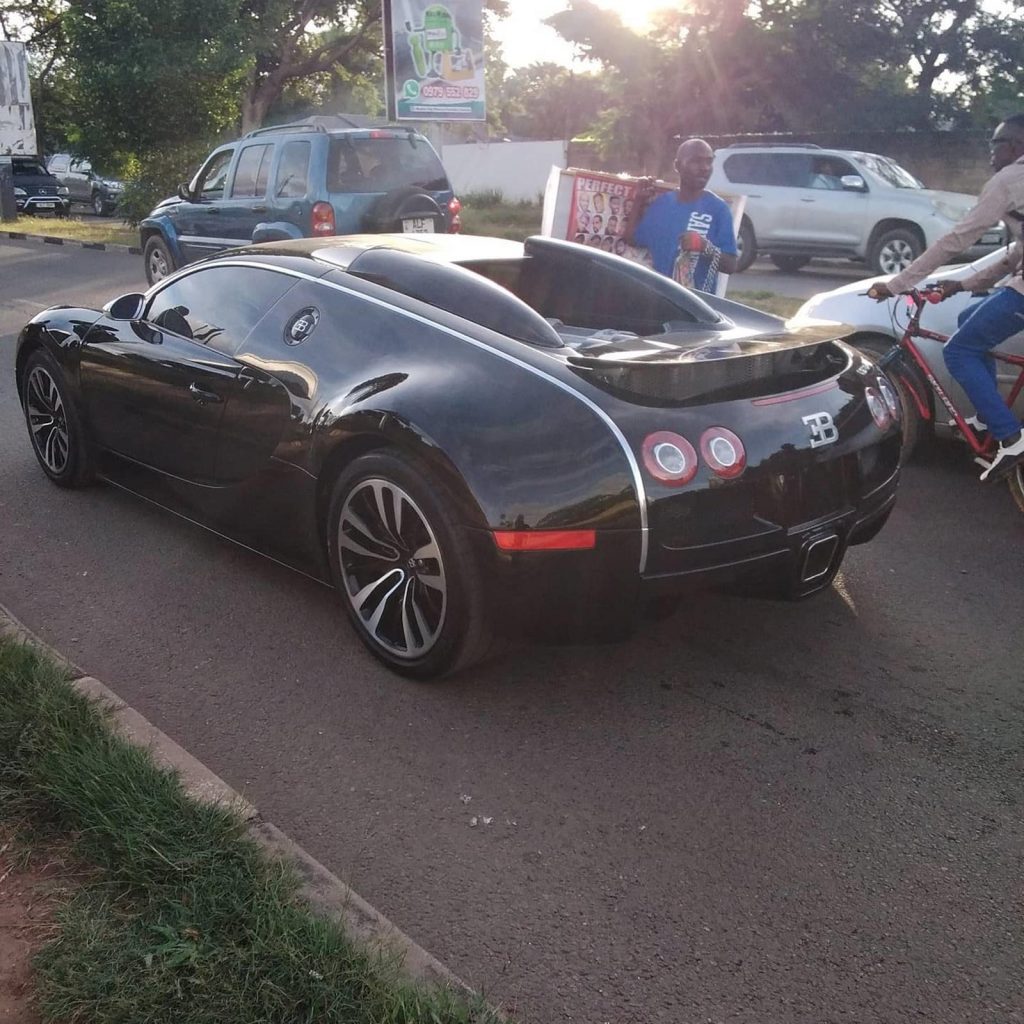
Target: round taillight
(454, 220)
(322, 219)
(890, 397)
(670, 458)
(878, 408)
(723, 451)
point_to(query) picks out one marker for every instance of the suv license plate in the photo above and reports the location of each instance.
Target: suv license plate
(418, 225)
(44, 206)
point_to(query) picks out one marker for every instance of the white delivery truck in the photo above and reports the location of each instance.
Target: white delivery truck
(18, 142)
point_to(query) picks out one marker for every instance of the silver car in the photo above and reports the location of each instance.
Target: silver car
(804, 201)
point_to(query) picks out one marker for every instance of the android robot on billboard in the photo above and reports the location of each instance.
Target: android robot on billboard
(438, 70)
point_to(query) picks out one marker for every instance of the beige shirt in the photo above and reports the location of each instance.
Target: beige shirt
(1003, 192)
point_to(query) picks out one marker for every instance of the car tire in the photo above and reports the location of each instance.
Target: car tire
(746, 246)
(393, 207)
(894, 251)
(158, 261)
(911, 424)
(58, 437)
(385, 511)
(789, 264)
(98, 206)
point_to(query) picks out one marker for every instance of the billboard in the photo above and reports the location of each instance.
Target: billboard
(17, 127)
(434, 60)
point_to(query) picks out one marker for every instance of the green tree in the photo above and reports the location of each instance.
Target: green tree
(549, 101)
(153, 75)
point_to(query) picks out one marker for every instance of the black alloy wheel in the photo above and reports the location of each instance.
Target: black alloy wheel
(54, 427)
(410, 583)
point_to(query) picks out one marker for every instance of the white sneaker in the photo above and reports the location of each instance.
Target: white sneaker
(1009, 454)
(976, 425)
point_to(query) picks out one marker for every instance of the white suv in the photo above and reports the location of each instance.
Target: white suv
(805, 201)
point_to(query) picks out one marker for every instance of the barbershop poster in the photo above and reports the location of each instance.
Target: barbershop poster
(591, 207)
(434, 56)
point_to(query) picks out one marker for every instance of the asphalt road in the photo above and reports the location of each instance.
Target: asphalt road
(751, 812)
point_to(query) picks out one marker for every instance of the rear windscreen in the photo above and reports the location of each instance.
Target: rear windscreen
(381, 164)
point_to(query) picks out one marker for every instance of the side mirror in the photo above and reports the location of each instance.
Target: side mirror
(184, 192)
(853, 183)
(126, 307)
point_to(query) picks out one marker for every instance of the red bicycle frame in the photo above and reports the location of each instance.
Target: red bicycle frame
(918, 298)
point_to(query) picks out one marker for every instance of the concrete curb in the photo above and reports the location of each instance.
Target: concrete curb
(132, 250)
(327, 894)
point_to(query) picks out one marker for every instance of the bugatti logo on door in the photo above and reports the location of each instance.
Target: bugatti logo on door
(302, 325)
(823, 429)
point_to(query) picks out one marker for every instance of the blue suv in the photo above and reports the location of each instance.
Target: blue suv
(301, 181)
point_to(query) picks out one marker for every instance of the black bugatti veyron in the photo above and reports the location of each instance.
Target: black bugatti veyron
(465, 433)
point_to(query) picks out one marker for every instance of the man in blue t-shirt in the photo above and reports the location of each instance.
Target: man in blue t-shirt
(688, 232)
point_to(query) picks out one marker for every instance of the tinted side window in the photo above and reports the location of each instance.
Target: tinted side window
(217, 306)
(787, 169)
(293, 171)
(251, 173)
(209, 181)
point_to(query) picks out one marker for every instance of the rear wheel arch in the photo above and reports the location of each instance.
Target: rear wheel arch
(407, 443)
(895, 224)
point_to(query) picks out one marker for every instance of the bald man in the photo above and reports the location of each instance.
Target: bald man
(688, 232)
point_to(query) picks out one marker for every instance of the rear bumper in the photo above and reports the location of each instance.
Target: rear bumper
(592, 595)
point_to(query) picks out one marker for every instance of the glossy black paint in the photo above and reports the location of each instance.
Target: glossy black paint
(308, 354)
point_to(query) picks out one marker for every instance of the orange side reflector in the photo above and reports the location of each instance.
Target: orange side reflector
(545, 540)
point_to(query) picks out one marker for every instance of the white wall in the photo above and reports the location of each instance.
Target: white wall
(518, 170)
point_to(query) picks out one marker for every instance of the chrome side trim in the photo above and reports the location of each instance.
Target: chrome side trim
(631, 460)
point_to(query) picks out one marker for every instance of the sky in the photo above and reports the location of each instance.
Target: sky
(525, 40)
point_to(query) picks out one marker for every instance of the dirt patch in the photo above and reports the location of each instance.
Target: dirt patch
(28, 898)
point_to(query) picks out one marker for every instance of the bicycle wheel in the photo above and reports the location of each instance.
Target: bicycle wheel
(1016, 484)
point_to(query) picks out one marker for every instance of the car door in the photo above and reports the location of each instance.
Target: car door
(828, 213)
(60, 167)
(768, 180)
(79, 181)
(198, 229)
(156, 389)
(231, 219)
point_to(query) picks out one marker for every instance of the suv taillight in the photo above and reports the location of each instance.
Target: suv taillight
(322, 219)
(454, 220)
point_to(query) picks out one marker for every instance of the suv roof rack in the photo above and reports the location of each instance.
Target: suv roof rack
(295, 126)
(773, 145)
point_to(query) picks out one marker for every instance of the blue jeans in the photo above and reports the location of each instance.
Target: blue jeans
(968, 355)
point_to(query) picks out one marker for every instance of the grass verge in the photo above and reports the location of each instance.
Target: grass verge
(180, 916)
(767, 302)
(110, 232)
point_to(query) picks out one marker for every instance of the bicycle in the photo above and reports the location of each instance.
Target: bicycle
(912, 380)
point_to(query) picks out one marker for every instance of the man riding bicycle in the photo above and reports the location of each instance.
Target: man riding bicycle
(989, 323)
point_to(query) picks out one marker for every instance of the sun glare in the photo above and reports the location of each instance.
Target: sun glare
(525, 39)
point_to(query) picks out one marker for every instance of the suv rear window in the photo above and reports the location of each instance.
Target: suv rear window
(381, 164)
